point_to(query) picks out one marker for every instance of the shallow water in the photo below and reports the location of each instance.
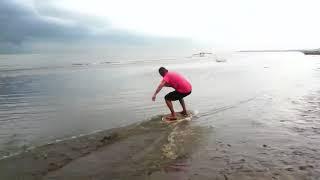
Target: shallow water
(44, 102)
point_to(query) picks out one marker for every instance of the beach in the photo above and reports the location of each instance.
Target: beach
(257, 118)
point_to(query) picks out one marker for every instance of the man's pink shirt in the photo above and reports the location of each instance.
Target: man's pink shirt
(178, 82)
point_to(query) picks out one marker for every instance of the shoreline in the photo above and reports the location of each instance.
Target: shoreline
(155, 150)
(153, 144)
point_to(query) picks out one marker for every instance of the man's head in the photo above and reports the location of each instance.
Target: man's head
(163, 71)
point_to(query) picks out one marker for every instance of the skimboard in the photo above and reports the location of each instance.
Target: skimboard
(180, 117)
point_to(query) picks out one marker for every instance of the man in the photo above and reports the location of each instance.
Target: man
(182, 89)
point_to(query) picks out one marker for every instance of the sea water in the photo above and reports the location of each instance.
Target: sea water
(45, 98)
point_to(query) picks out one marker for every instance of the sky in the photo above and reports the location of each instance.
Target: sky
(77, 25)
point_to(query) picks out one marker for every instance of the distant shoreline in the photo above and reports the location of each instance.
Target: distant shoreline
(306, 52)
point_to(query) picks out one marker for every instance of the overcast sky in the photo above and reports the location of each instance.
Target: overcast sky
(45, 25)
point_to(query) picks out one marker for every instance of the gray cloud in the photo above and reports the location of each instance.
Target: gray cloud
(23, 25)
(20, 24)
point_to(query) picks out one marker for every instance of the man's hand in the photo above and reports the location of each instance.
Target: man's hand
(161, 85)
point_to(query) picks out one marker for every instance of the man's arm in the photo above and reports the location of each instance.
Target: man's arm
(161, 85)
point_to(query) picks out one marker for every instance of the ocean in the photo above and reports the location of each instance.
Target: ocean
(44, 98)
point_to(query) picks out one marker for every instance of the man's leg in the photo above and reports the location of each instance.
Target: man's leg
(170, 106)
(184, 110)
(169, 98)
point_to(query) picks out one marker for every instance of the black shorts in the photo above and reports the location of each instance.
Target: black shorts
(175, 95)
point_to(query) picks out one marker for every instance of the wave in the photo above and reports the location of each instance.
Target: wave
(172, 131)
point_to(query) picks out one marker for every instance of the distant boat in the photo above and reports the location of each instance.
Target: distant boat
(221, 60)
(201, 54)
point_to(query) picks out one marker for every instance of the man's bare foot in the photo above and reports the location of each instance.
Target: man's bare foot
(184, 113)
(171, 118)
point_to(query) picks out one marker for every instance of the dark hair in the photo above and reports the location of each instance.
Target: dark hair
(163, 71)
